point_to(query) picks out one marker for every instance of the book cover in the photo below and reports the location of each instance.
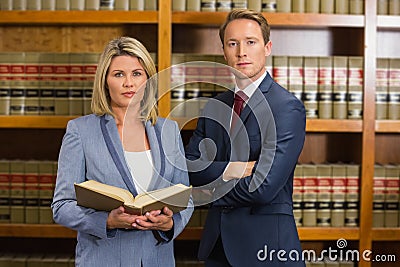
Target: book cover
(392, 185)
(46, 84)
(310, 92)
(394, 89)
(296, 74)
(310, 192)
(325, 88)
(378, 208)
(328, 6)
(47, 179)
(17, 194)
(99, 196)
(31, 190)
(339, 87)
(338, 195)
(381, 89)
(312, 6)
(352, 195)
(355, 87)
(4, 191)
(5, 92)
(324, 187)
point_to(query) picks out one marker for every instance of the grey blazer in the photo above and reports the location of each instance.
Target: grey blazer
(84, 155)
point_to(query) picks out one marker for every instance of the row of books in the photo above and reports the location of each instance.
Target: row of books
(26, 191)
(327, 195)
(36, 260)
(79, 4)
(330, 263)
(284, 6)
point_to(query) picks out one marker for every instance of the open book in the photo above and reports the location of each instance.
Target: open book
(99, 196)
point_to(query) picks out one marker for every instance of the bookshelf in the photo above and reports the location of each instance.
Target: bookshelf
(159, 29)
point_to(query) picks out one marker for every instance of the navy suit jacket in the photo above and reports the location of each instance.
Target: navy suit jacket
(252, 215)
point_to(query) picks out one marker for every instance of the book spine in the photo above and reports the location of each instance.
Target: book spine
(93, 4)
(223, 5)
(192, 107)
(392, 185)
(254, 5)
(31, 189)
(33, 5)
(341, 6)
(324, 184)
(178, 5)
(62, 5)
(284, 6)
(6, 5)
(48, 4)
(193, 5)
(77, 5)
(378, 210)
(5, 92)
(312, 6)
(4, 191)
(106, 4)
(61, 84)
(356, 7)
(394, 89)
(339, 87)
(150, 4)
(298, 6)
(328, 6)
(338, 195)
(17, 195)
(19, 4)
(394, 7)
(355, 87)
(240, 4)
(298, 189)
(47, 177)
(208, 5)
(268, 5)
(268, 66)
(310, 195)
(76, 90)
(32, 105)
(296, 74)
(352, 195)
(46, 84)
(90, 61)
(383, 6)
(382, 85)
(17, 84)
(325, 87)
(280, 70)
(121, 5)
(310, 94)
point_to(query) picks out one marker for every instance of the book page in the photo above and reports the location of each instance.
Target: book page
(158, 195)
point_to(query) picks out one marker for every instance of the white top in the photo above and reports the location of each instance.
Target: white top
(141, 167)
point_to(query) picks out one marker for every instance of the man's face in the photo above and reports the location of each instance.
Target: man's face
(244, 48)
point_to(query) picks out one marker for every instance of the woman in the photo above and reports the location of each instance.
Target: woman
(121, 144)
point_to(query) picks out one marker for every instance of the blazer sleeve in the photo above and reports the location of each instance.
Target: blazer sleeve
(290, 132)
(71, 169)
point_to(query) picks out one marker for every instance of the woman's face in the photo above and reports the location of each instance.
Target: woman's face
(126, 80)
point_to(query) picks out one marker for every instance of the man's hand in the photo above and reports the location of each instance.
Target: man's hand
(155, 220)
(238, 169)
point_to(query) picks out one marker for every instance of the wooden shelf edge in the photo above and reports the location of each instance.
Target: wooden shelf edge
(330, 125)
(78, 17)
(41, 122)
(36, 231)
(386, 234)
(328, 233)
(275, 19)
(387, 126)
(388, 22)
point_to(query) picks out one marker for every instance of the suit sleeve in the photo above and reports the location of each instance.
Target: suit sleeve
(272, 176)
(71, 169)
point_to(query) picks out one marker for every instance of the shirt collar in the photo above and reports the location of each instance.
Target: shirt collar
(251, 88)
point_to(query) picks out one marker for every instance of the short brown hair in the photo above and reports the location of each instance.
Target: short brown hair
(246, 14)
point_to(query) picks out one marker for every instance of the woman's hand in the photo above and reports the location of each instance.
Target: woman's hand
(118, 218)
(155, 220)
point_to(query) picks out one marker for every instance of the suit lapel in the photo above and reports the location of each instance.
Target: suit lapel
(157, 155)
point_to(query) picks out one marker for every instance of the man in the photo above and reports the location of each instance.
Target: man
(248, 160)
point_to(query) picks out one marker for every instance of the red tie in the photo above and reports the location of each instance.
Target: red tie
(240, 98)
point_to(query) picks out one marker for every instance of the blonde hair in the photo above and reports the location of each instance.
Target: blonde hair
(101, 100)
(246, 14)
